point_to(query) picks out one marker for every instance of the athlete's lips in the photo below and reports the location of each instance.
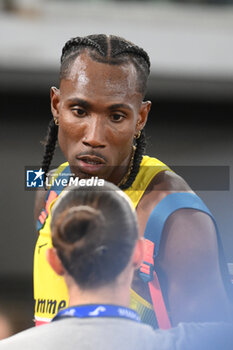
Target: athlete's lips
(90, 159)
(90, 164)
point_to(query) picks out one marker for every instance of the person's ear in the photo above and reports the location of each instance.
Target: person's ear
(142, 116)
(138, 253)
(54, 261)
(55, 102)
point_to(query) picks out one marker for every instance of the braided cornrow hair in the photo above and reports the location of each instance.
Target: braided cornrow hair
(50, 146)
(140, 150)
(111, 50)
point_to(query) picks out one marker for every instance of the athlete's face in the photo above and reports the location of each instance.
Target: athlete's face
(99, 110)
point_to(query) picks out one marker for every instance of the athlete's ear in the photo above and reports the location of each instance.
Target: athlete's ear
(143, 114)
(138, 253)
(55, 101)
(54, 261)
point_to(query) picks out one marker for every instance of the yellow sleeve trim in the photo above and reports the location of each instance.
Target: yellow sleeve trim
(149, 168)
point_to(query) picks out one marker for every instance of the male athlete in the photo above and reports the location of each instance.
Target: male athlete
(99, 116)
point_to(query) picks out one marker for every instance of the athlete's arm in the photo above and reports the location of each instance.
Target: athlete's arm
(39, 203)
(188, 261)
(40, 197)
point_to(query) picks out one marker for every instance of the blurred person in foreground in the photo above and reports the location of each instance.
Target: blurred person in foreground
(99, 115)
(96, 248)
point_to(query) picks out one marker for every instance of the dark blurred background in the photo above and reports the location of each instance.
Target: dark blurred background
(191, 86)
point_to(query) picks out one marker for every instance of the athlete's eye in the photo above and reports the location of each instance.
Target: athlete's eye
(117, 117)
(79, 112)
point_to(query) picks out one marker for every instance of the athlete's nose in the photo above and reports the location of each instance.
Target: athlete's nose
(95, 133)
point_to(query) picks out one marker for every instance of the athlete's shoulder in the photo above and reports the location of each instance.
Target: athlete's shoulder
(169, 182)
(164, 179)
